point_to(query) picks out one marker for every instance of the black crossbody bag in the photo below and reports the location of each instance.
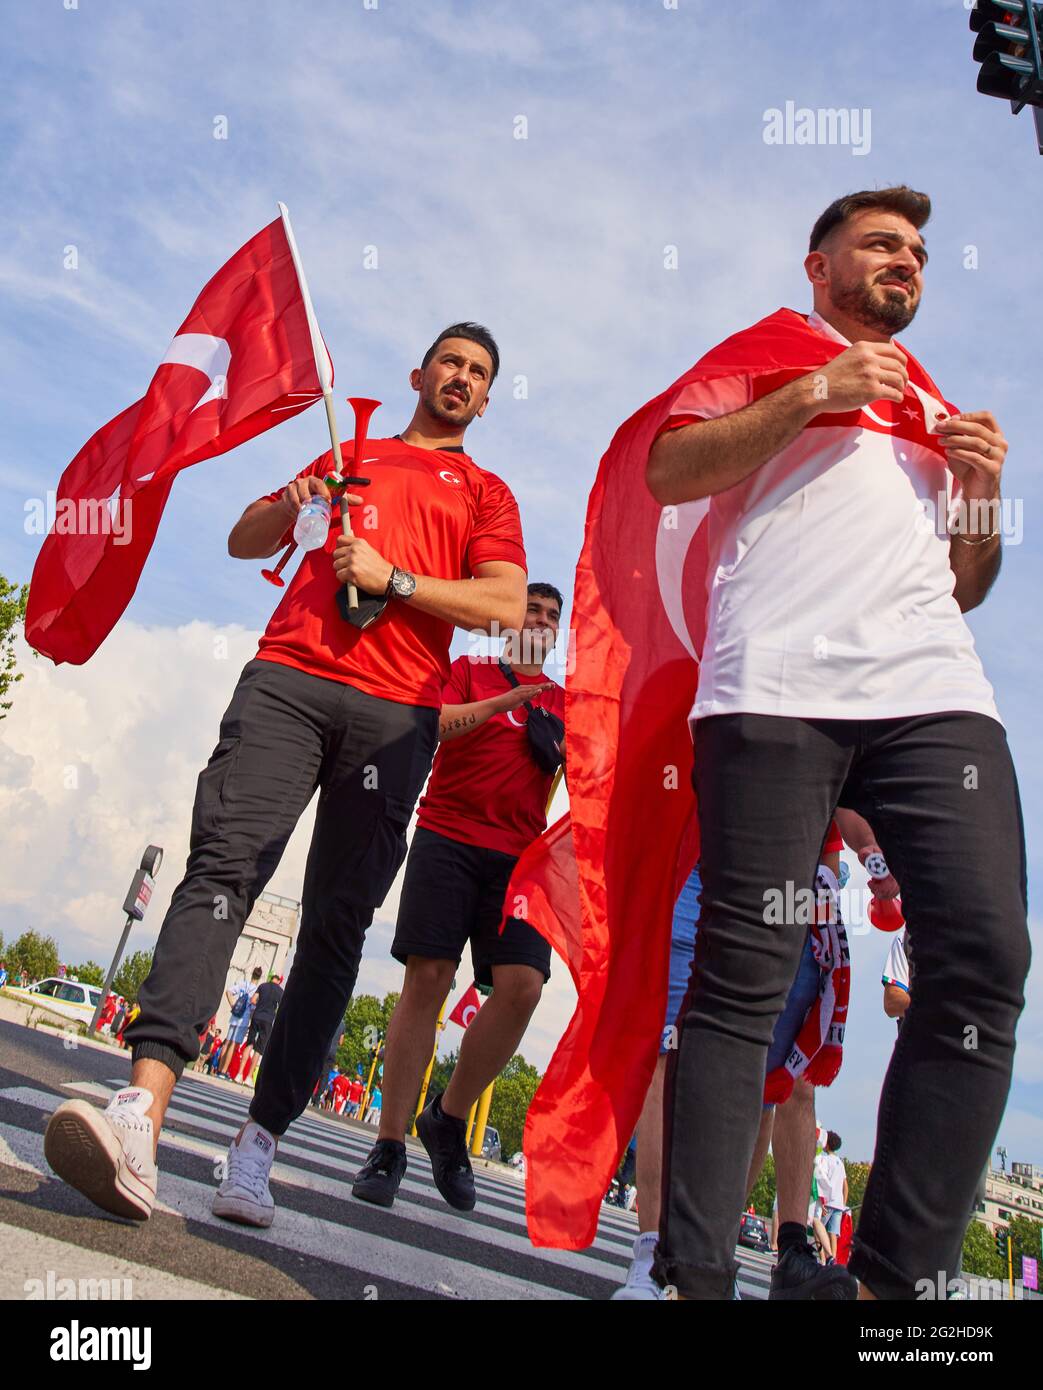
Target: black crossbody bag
(543, 728)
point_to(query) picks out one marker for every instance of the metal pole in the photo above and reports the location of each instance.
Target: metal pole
(369, 1081)
(111, 975)
(430, 1067)
(485, 1101)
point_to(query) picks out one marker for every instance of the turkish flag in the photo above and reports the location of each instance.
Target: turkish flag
(241, 362)
(466, 1010)
(601, 883)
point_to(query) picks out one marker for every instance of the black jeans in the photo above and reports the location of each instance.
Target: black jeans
(284, 734)
(940, 793)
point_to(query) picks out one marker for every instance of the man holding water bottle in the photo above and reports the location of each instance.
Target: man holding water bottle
(324, 705)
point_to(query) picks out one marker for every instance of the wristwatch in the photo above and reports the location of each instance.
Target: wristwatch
(402, 584)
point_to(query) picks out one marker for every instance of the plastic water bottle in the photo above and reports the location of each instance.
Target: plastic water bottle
(313, 523)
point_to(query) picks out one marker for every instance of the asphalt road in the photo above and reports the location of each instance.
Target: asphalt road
(322, 1245)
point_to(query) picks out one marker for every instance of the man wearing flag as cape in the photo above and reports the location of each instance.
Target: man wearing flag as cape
(774, 513)
(343, 696)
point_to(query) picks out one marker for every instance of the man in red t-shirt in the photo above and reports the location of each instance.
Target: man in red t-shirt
(486, 801)
(324, 705)
(355, 1091)
(341, 1085)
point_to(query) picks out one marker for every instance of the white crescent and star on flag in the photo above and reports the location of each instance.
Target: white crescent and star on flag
(678, 525)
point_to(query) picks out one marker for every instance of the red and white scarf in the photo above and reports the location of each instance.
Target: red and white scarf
(818, 1051)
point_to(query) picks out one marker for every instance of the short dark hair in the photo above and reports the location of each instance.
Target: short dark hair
(915, 207)
(258, 972)
(474, 333)
(547, 591)
(833, 1141)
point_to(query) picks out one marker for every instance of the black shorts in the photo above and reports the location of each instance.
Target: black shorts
(259, 1033)
(453, 893)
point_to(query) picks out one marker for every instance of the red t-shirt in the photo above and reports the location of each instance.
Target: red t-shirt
(355, 1091)
(429, 511)
(485, 786)
(340, 1087)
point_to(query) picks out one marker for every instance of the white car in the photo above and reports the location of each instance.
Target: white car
(67, 997)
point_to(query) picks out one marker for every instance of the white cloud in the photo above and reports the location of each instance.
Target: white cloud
(100, 760)
(394, 127)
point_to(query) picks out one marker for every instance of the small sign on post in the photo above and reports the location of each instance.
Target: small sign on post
(139, 895)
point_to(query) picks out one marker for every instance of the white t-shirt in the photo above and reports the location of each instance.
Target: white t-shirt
(896, 970)
(830, 1173)
(829, 587)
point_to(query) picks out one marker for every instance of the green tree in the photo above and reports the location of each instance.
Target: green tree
(979, 1253)
(131, 975)
(366, 1020)
(512, 1096)
(13, 598)
(89, 973)
(857, 1177)
(441, 1072)
(1027, 1232)
(35, 954)
(763, 1195)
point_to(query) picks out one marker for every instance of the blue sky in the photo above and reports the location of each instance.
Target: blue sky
(394, 127)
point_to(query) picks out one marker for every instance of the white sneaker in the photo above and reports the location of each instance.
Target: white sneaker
(108, 1155)
(244, 1196)
(640, 1284)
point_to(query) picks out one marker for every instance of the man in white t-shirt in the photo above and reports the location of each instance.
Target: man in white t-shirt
(837, 666)
(831, 1176)
(897, 978)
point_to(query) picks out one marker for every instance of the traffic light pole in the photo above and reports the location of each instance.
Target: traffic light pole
(115, 965)
(137, 900)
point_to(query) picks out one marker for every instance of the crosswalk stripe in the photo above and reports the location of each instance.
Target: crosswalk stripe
(321, 1143)
(506, 1188)
(443, 1220)
(376, 1256)
(30, 1257)
(329, 1152)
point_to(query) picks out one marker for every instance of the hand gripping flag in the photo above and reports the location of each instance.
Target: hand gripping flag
(601, 883)
(242, 361)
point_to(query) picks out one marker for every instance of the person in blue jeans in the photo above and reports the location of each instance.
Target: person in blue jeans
(789, 1128)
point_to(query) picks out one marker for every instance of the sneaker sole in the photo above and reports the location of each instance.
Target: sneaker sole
(842, 1287)
(242, 1211)
(374, 1196)
(421, 1125)
(83, 1151)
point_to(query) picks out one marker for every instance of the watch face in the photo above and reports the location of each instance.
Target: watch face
(403, 584)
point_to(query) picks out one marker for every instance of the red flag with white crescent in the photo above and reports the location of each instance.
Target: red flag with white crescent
(467, 1009)
(601, 883)
(241, 362)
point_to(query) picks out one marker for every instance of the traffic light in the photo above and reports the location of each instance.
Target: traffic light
(1008, 49)
(1002, 1236)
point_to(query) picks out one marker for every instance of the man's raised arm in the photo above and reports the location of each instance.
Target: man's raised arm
(259, 531)
(708, 457)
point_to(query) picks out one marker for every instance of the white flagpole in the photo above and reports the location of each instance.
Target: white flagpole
(322, 366)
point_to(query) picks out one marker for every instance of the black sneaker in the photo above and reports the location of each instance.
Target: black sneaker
(798, 1275)
(378, 1179)
(445, 1140)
